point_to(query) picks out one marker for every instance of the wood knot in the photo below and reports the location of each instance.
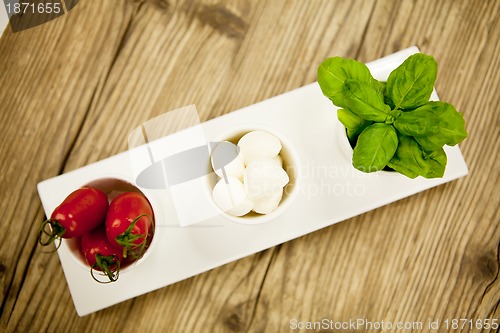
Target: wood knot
(236, 318)
(484, 266)
(234, 322)
(161, 4)
(222, 20)
(488, 266)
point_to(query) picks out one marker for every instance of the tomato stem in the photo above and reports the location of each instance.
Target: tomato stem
(127, 239)
(55, 231)
(105, 264)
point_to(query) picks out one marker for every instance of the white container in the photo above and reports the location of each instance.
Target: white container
(113, 186)
(291, 165)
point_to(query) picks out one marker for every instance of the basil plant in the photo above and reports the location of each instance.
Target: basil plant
(393, 124)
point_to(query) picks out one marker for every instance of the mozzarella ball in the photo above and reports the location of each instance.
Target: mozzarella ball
(278, 160)
(231, 197)
(264, 178)
(226, 155)
(268, 204)
(257, 145)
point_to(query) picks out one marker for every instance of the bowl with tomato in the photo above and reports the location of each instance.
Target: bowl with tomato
(108, 224)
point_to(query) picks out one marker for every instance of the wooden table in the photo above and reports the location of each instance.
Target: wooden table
(73, 88)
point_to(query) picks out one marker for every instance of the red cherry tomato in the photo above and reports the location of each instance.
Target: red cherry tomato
(129, 222)
(100, 254)
(81, 211)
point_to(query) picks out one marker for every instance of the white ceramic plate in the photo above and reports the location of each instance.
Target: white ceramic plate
(330, 191)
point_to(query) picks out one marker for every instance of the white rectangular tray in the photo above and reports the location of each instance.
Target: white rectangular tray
(331, 190)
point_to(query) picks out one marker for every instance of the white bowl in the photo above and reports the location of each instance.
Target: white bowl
(113, 186)
(291, 165)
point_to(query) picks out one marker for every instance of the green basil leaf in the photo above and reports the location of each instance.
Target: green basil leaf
(399, 166)
(334, 71)
(366, 101)
(411, 84)
(438, 123)
(349, 119)
(352, 122)
(380, 86)
(436, 161)
(375, 147)
(387, 99)
(411, 159)
(430, 143)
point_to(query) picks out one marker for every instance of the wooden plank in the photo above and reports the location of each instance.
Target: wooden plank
(49, 75)
(434, 255)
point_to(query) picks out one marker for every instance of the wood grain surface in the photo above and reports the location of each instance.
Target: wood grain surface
(72, 89)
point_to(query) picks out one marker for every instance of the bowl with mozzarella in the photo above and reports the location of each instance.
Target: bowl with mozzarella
(256, 172)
